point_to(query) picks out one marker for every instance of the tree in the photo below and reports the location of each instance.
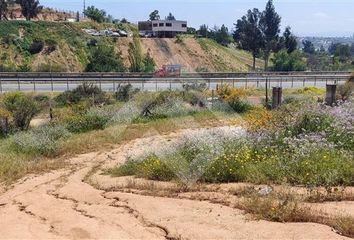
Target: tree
(95, 14)
(222, 36)
(191, 30)
(343, 52)
(290, 41)
(104, 59)
(149, 63)
(124, 20)
(308, 47)
(248, 34)
(109, 18)
(154, 15)
(285, 62)
(135, 56)
(29, 8)
(203, 30)
(332, 48)
(77, 16)
(270, 26)
(170, 17)
(3, 9)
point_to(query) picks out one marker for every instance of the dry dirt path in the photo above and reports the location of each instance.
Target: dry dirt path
(63, 205)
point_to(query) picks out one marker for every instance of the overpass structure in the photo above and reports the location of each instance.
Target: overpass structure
(59, 82)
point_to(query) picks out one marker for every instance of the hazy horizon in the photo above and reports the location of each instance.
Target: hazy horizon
(324, 18)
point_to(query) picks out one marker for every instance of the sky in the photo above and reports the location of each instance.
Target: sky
(326, 18)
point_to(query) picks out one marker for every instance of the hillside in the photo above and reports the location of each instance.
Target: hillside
(65, 49)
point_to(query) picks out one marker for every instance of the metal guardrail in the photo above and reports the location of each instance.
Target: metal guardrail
(150, 75)
(109, 81)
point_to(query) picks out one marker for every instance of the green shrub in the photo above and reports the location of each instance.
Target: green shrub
(103, 58)
(151, 168)
(239, 105)
(86, 122)
(22, 108)
(85, 92)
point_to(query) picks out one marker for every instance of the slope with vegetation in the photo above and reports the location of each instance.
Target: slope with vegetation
(49, 46)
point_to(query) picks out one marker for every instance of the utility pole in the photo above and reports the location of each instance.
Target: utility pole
(84, 8)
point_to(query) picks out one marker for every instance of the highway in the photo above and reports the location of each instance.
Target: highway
(59, 82)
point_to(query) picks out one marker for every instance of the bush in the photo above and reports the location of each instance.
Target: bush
(44, 140)
(285, 62)
(125, 92)
(151, 168)
(235, 97)
(239, 105)
(103, 58)
(86, 122)
(21, 107)
(85, 92)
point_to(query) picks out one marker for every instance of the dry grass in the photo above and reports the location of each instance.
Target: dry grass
(276, 207)
(329, 195)
(287, 208)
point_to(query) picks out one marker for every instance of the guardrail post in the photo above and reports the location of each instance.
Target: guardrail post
(51, 82)
(34, 85)
(0, 85)
(142, 85)
(209, 83)
(170, 85)
(303, 84)
(67, 83)
(315, 81)
(233, 83)
(292, 82)
(246, 83)
(156, 85)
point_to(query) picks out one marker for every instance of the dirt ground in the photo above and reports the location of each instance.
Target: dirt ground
(78, 202)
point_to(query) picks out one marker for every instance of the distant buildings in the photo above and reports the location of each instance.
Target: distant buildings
(162, 28)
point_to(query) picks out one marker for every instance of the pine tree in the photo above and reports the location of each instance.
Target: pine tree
(248, 34)
(270, 27)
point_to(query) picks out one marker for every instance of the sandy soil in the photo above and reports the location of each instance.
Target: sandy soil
(79, 203)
